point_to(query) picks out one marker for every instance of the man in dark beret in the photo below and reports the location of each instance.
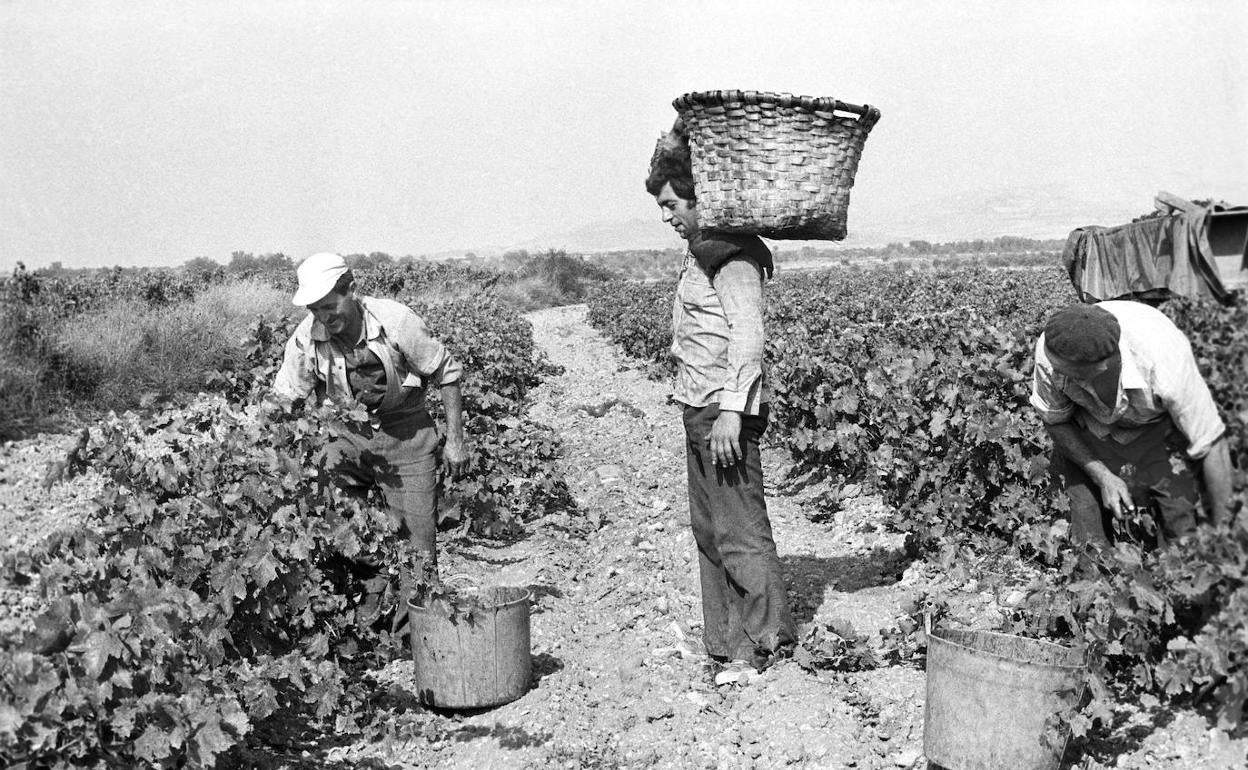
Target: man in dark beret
(1118, 389)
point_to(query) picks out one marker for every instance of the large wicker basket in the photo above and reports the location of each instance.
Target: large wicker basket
(774, 164)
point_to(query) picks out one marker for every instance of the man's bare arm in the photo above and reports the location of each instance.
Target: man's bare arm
(455, 453)
(1216, 471)
(1115, 495)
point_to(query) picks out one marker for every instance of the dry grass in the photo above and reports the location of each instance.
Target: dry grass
(119, 354)
(20, 395)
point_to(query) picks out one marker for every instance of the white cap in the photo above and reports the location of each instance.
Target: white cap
(317, 276)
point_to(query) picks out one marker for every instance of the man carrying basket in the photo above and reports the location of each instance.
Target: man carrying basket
(718, 346)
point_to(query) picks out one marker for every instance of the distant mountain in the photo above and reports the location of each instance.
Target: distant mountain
(1038, 213)
(607, 236)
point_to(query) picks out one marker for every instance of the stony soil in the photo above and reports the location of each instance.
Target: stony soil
(619, 678)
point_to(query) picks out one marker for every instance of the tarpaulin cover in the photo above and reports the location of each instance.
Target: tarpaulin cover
(1149, 259)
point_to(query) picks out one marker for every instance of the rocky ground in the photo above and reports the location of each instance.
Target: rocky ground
(619, 677)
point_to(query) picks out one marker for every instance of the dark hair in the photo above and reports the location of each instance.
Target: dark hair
(672, 163)
(344, 282)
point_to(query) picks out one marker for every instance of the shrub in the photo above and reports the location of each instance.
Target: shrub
(423, 282)
(21, 401)
(28, 322)
(211, 591)
(637, 316)
(568, 277)
(204, 271)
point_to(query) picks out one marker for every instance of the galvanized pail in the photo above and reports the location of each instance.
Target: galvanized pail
(999, 701)
(473, 660)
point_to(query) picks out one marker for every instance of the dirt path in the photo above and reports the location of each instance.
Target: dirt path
(616, 624)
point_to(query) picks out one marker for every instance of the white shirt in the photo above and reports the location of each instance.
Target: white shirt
(1159, 378)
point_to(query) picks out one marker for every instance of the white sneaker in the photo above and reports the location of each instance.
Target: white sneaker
(737, 672)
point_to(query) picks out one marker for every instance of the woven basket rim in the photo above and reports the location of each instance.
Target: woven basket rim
(779, 98)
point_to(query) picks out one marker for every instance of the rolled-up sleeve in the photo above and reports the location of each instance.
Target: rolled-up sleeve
(1047, 398)
(297, 376)
(1187, 399)
(739, 284)
(425, 355)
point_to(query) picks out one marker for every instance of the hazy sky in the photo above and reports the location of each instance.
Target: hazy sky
(136, 132)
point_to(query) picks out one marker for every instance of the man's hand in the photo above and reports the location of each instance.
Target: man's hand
(1115, 495)
(455, 456)
(725, 439)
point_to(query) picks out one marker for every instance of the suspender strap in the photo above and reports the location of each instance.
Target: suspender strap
(394, 391)
(335, 380)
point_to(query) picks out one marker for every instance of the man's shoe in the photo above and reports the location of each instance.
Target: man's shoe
(736, 672)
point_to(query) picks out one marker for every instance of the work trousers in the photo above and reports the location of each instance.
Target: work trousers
(745, 609)
(1158, 473)
(400, 457)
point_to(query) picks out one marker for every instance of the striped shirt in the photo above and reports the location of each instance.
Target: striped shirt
(1159, 378)
(717, 336)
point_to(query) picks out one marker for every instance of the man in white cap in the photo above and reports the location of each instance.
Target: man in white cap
(377, 353)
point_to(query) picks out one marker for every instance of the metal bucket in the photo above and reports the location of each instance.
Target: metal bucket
(476, 660)
(999, 701)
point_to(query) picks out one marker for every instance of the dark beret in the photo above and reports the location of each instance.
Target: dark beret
(1082, 334)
